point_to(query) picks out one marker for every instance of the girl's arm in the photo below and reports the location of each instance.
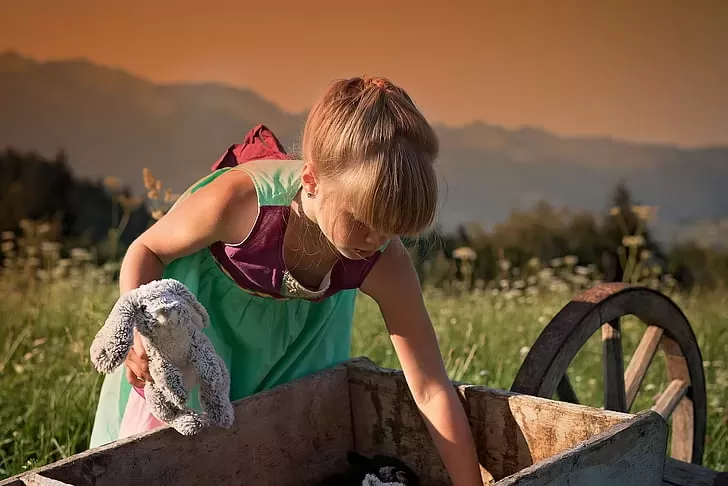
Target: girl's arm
(223, 210)
(394, 285)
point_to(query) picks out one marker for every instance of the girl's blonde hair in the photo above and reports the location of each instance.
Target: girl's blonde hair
(367, 135)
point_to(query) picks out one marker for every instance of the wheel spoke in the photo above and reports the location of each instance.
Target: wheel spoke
(614, 392)
(683, 417)
(640, 361)
(565, 391)
(670, 398)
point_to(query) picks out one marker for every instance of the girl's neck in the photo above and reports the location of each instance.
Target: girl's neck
(304, 242)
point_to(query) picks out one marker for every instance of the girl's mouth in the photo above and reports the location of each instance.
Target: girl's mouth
(363, 253)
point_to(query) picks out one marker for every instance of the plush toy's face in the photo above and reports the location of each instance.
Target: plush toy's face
(160, 318)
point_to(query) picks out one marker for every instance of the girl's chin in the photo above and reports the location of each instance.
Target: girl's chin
(354, 254)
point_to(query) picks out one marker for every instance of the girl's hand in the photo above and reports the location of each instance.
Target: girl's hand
(137, 364)
(394, 285)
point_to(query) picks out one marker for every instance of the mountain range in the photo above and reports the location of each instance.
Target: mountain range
(112, 123)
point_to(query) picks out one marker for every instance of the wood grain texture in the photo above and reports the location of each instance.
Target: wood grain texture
(640, 362)
(670, 398)
(630, 453)
(294, 434)
(685, 422)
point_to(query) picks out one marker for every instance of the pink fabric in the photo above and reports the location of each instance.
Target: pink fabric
(137, 417)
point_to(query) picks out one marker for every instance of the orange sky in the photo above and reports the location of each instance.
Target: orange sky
(643, 72)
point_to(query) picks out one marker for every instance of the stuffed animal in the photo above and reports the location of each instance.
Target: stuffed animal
(377, 471)
(170, 321)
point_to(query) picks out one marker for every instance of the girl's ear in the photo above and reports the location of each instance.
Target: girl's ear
(308, 178)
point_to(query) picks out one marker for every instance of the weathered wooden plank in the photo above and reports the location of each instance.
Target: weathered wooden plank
(679, 473)
(550, 427)
(613, 364)
(630, 453)
(684, 425)
(297, 433)
(670, 398)
(34, 479)
(511, 431)
(641, 359)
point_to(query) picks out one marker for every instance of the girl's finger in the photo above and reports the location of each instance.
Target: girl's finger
(143, 368)
(133, 378)
(140, 366)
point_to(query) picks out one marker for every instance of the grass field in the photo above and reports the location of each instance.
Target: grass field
(48, 388)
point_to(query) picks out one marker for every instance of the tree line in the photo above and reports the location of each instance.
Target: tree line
(616, 244)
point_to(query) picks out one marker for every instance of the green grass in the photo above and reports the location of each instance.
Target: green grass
(48, 389)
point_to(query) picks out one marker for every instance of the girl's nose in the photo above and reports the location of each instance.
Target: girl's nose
(375, 240)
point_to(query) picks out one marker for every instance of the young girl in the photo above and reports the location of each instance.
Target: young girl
(275, 249)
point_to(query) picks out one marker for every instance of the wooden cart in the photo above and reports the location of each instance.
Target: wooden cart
(299, 433)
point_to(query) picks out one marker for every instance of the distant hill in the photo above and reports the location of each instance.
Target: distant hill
(110, 122)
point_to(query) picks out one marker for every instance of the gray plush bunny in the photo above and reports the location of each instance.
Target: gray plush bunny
(170, 321)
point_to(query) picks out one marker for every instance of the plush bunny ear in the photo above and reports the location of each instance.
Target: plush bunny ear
(113, 341)
(200, 316)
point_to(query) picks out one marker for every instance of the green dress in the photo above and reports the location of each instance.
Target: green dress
(268, 328)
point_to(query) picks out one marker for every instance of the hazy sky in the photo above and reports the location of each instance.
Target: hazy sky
(642, 70)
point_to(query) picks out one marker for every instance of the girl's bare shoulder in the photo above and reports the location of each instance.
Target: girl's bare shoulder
(223, 210)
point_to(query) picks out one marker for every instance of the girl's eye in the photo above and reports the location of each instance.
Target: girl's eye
(356, 222)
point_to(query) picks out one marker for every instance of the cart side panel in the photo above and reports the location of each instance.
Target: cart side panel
(629, 454)
(549, 427)
(511, 431)
(515, 431)
(296, 433)
(386, 421)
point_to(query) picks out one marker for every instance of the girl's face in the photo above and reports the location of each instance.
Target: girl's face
(351, 238)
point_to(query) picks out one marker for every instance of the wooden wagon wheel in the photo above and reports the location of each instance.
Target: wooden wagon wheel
(543, 371)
